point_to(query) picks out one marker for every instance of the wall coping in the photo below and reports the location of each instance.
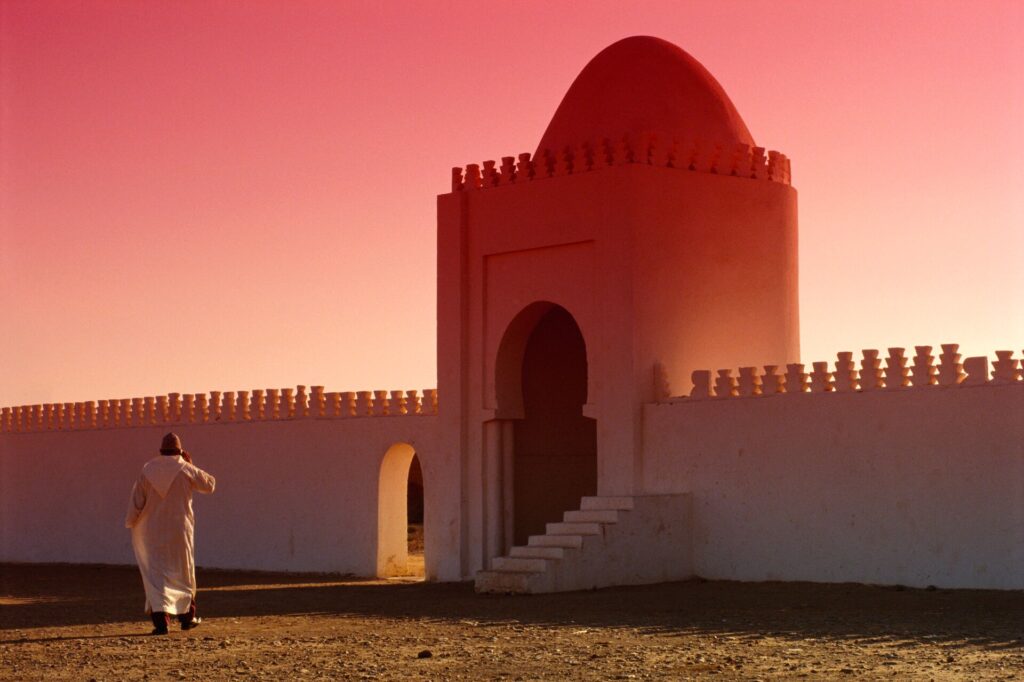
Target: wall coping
(899, 374)
(217, 407)
(740, 160)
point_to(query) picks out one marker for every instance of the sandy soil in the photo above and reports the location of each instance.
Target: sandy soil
(85, 623)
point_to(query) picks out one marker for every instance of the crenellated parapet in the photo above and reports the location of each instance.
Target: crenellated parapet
(896, 372)
(741, 160)
(218, 407)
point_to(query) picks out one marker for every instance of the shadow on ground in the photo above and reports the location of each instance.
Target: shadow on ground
(48, 596)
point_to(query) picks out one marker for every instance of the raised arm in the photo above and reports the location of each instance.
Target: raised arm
(202, 482)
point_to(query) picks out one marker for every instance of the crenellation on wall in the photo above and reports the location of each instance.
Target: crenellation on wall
(430, 401)
(702, 389)
(286, 403)
(543, 165)
(396, 403)
(759, 164)
(256, 404)
(507, 175)
(242, 406)
(845, 377)
(797, 380)
(749, 382)
(771, 381)
(1005, 369)
(871, 374)
(489, 174)
(349, 404)
(227, 406)
(472, 178)
(213, 406)
(271, 404)
(216, 407)
(379, 403)
(524, 168)
(822, 380)
(369, 403)
(316, 402)
(950, 369)
(189, 402)
(975, 371)
(201, 414)
(725, 384)
(896, 375)
(562, 164)
(740, 160)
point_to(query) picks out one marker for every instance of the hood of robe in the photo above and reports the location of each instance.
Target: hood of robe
(161, 471)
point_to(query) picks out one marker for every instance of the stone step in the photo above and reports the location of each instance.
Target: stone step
(524, 564)
(573, 528)
(539, 552)
(503, 582)
(592, 516)
(620, 502)
(567, 541)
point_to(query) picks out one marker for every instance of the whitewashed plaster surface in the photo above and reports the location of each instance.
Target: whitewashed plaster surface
(917, 487)
(292, 495)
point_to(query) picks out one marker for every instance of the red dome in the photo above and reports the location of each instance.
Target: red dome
(643, 84)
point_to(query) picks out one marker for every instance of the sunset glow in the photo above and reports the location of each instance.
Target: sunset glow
(216, 195)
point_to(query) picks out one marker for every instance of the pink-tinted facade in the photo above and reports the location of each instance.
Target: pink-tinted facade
(582, 290)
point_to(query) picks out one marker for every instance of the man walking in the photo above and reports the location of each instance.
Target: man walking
(162, 524)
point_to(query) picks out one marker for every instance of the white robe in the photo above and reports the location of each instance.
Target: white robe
(162, 523)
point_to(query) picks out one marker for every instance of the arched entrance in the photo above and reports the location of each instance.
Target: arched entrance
(399, 507)
(542, 380)
(414, 505)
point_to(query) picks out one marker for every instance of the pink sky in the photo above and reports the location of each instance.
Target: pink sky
(237, 195)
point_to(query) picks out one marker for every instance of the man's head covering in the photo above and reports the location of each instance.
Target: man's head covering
(171, 445)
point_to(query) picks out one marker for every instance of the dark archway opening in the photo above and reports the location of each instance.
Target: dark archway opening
(555, 446)
(414, 505)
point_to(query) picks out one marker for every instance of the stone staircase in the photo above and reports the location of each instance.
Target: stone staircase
(623, 540)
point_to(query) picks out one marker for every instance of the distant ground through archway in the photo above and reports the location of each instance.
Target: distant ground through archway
(414, 504)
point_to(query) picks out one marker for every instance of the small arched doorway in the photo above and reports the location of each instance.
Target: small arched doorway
(414, 505)
(542, 380)
(400, 549)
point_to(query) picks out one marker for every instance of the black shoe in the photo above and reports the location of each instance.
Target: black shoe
(159, 631)
(194, 623)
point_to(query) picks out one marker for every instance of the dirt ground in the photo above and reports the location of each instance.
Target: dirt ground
(85, 623)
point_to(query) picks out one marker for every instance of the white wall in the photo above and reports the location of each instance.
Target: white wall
(292, 495)
(917, 487)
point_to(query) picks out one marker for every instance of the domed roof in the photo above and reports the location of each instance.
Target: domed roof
(643, 84)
